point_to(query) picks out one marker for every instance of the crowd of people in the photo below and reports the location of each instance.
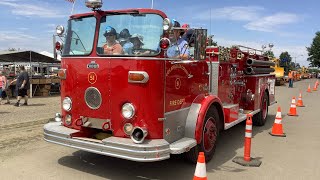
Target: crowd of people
(126, 44)
(22, 82)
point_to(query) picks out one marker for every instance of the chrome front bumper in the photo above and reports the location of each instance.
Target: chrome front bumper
(149, 151)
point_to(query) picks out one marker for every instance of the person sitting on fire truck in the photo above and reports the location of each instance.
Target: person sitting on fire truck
(179, 47)
(185, 28)
(137, 41)
(112, 47)
(125, 41)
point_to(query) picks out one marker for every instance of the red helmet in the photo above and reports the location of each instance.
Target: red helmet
(186, 26)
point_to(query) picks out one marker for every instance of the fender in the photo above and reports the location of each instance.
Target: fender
(265, 88)
(197, 114)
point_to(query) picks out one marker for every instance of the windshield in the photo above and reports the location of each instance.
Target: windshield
(80, 36)
(130, 35)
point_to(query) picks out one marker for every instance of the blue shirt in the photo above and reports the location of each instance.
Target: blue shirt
(127, 48)
(179, 48)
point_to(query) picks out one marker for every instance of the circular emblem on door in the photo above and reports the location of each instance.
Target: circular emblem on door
(178, 83)
(92, 77)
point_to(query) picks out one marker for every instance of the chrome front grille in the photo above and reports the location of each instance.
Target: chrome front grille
(93, 98)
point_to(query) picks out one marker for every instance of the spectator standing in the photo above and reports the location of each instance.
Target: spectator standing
(22, 86)
(290, 76)
(3, 88)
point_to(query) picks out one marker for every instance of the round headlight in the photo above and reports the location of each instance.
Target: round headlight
(128, 110)
(67, 104)
(59, 30)
(166, 24)
(68, 119)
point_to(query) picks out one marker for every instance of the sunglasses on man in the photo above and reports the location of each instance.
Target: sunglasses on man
(108, 35)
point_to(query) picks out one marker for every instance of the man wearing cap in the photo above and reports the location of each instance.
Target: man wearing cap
(125, 41)
(137, 41)
(179, 47)
(185, 28)
(112, 47)
(22, 86)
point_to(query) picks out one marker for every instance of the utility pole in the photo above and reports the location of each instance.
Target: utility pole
(295, 61)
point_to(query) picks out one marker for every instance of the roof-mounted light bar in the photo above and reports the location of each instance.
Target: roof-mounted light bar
(94, 4)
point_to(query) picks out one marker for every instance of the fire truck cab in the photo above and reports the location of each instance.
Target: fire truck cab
(141, 105)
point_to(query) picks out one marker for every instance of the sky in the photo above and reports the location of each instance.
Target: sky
(288, 24)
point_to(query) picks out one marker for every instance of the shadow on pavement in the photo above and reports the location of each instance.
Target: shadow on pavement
(176, 167)
(36, 104)
(4, 112)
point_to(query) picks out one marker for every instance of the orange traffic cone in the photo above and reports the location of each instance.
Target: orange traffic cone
(309, 89)
(293, 108)
(277, 125)
(315, 87)
(300, 102)
(201, 171)
(317, 83)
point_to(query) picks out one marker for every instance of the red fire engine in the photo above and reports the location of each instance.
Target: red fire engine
(144, 106)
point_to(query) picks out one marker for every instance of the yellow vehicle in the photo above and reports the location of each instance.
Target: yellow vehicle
(304, 73)
(279, 72)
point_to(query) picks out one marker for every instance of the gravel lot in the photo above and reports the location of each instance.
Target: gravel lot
(24, 155)
(39, 108)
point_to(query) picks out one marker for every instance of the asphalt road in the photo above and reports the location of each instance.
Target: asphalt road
(293, 157)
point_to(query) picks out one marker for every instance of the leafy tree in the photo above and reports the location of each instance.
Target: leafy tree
(292, 66)
(12, 49)
(269, 54)
(211, 42)
(314, 51)
(285, 60)
(298, 66)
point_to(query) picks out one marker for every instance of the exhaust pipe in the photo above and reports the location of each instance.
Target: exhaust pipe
(253, 70)
(253, 62)
(138, 135)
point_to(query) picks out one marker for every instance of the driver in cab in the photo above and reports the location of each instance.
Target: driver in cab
(112, 47)
(179, 47)
(137, 41)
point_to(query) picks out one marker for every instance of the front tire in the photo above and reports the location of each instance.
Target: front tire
(210, 134)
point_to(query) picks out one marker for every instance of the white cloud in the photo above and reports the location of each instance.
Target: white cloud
(23, 29)
(255, 17)
(30, 9)
(298, 51)
(17, 39)
(272, 23)
(236, 13)
(14, 36)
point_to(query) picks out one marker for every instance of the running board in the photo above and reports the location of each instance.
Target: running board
(242, 117)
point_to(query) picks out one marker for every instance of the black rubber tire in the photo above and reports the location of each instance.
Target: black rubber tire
(192, 155)
(258, 119)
